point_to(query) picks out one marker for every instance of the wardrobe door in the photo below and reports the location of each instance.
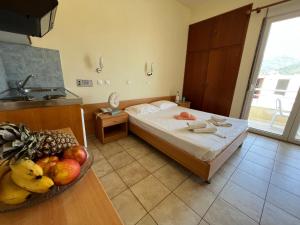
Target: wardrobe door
(200, 35)
(195, 77)
(223, 67)
(213, 58)
(231, 28)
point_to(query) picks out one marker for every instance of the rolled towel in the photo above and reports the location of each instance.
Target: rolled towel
(197, 125)
(206, 130)
(218, 119)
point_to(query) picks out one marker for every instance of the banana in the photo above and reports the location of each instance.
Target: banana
(4, 168)
(26, 169)
(39, 185)
(10, 193)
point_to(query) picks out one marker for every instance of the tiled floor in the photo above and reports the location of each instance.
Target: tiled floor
(259, 184)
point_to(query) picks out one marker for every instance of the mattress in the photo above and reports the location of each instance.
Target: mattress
(203, 146)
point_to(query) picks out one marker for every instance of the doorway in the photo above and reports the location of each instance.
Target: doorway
(272, 105)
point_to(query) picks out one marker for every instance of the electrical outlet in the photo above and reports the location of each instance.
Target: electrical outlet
(84, 83)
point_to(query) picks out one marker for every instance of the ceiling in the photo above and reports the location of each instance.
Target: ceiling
(191, 3)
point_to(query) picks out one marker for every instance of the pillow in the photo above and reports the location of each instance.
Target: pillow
(163, 104)
(142, 109)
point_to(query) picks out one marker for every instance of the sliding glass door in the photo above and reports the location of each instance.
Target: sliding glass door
(272, 103)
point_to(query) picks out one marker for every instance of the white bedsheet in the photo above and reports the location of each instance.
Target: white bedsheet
(203, 146)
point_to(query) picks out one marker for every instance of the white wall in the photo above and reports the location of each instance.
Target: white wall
(215, 7)
(127, 33)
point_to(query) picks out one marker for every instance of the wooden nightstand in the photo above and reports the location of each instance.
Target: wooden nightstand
(184, 104)
(110, 128)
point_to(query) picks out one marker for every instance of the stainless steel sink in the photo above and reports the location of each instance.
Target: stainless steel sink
(40, 90)
(16, 98)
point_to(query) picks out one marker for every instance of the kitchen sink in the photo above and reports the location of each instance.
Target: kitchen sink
(16, 98)
(40, 90)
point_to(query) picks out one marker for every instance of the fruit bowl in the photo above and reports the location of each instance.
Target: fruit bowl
(55, 190)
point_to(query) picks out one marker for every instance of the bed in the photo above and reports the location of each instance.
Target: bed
(203, 154)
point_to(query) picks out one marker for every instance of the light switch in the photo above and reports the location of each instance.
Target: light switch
(107, 82)
(84, 83)
(100, 82)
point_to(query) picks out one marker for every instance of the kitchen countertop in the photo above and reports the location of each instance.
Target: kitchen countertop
(15, 105)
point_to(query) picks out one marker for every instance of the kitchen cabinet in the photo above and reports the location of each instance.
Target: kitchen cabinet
(48, 118)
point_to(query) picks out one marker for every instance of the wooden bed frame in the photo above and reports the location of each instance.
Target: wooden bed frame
(204, 169)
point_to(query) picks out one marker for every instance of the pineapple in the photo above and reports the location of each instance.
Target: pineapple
(55, 142)
(17, 142)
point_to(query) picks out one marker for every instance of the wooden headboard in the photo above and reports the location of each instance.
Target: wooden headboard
(90, 109)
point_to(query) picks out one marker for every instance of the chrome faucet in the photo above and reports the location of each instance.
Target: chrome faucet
(21, 84)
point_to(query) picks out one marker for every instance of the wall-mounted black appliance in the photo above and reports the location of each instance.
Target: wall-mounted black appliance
(29, 17)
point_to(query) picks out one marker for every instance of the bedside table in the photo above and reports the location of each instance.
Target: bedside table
(184, 104)
(110, 128)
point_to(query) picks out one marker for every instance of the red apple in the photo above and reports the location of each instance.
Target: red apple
(77, 153)
(47, 164)
(65, 171)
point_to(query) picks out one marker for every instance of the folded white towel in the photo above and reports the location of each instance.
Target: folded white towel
(218, 119)
(206, 130)
(197, 125)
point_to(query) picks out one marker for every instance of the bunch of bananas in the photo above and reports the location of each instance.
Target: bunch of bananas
(19, 179)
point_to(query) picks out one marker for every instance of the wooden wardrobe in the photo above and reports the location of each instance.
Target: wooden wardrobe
(213, 59)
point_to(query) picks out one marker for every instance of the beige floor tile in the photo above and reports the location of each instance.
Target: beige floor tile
(260, 160)
(246, 145)
(222, 213)
(256, 170)
(153, 161)
(226, 170)
(288, 154)
(250, 139)
(97, 154)
(128, 207)
(284, 200)
(217, 182)
(120, 160)
(267, 143)
(250, 183)
(111, 149)
(241, 152)
(259, 150)
(289, 161)
(235, 160)
(113, 184)
(275, 216)
(288, 171)
(102, 168)
(172, 211)
(288, 150)
(172, 175)
(98, 144)
(129, 141)
(203, 222)
(150, 192)
(91, 146)
(139, 150)
(286, 183)
(147, 220)
(133, 173)
(195, 195)
(244, 200)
